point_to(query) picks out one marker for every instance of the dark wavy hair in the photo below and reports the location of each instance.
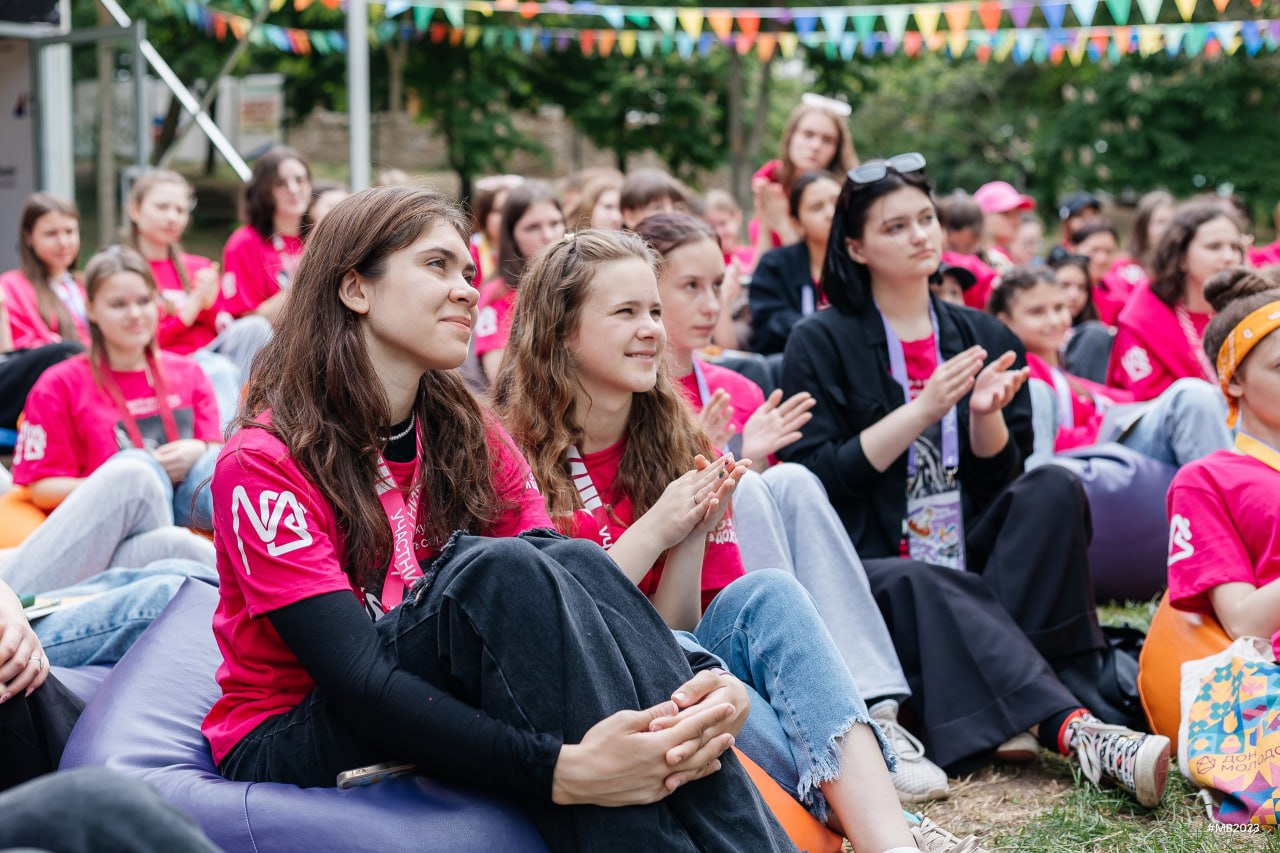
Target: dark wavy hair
(846, 282)
(1168, 280)
(510, 262)
(327, 405)
(257, 204)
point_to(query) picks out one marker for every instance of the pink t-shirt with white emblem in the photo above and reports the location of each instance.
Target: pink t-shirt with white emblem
(493, 322)
(278, 543)
(72, 425)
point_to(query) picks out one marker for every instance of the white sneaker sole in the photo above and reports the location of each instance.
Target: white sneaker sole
(1151, 770)
(924, 797)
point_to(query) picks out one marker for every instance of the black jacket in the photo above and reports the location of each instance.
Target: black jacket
(843, 361)
(776, 303)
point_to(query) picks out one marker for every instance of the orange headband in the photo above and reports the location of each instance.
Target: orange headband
(1247, 333)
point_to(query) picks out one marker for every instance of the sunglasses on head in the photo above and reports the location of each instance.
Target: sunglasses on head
(869, 173)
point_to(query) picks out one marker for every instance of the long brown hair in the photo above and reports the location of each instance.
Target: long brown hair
(102, 266)
(845, 157)
(535, 391)
(1168, 279)
(47, 302)
(511, 262)
(137, 195)
(327, 405)
(257, 204)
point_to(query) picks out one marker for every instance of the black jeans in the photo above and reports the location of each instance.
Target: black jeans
(20, 369)
(544, 633)
(94, 810)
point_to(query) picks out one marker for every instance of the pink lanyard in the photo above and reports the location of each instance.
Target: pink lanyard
(403, 570)
(1194, 341)
(122, 408)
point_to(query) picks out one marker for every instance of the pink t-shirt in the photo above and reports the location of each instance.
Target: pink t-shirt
(1089, 403)
(72, 426)
(922, 359)
(745, 396)
(278, 543)
(29, 328)
(722, 562)
(1222, 527)
(1151, 349)
(173, 334)
(493, 322)
(262, 268)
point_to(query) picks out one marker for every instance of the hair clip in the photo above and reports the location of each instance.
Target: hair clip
(568, 237)
(831, 105)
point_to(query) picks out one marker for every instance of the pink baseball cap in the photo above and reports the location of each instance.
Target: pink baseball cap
(1001, 197)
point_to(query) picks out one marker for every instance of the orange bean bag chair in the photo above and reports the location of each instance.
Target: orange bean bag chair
(803, 829)
(19, 517)
(1174, 638)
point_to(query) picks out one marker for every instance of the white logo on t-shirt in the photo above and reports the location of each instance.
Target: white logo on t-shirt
(266, 520)
(32, 441)
(1180, 539)
(487, 322)
(1136, 363)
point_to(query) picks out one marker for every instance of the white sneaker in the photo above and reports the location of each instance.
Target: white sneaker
(1022, 748)
(932, 838)
(917, 778)
(1137, 762)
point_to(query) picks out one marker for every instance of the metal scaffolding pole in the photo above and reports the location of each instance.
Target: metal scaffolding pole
(358, 116)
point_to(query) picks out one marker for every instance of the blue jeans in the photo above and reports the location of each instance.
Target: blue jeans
(225, 378)
(766, 630)
(192, 499)
(1186, 422)
(101, 630)
(785, 521)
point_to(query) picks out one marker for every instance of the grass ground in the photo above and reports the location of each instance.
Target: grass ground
(1050, 806)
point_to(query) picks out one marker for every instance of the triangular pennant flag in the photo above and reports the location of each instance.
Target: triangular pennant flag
(665, 19)
(473, 36)
(455, 37)
(276, 6)
(889, 45)
(1212, 49)
(721, 24)
(787, 44)
(834, 22)
(1100, 41)
(453, 12)
(1053, 14)
(627, 42)
(331, 4)
(396, 8)
(1170, 36)
(1119, 10)
(1120, 40)
(990, 12)
(645, 41)
(804, 24)
(864, 25)
(1056, 55)
(1225, 33)
(613, 16)
(1084, 11)
(1150, 10)
(239, 26)
(301, 5)
(830, 50)
(488, 40)
(1186, 8)
(421, 16)
(927, 20)
(765, 45)
(1251, 37)
(1194, 41)
(560, 42)
(705, 43)
(527, 35)
(1273, 33)
(895, 21)
(1113, 53)
(870, 45)
(911, 43)
(1020, 14)
(1024, 44)
(936, 42)
(638, 19)
(605, 42)
(1040, 52)
(957, 41)
(1002, 46)
(848, 46)
(984, 54)
(749, 24)
(1077, 49)
(958, 17)
(220, 27)
(1221, 5)
(586, 40)
(691, 20)
(529, 10)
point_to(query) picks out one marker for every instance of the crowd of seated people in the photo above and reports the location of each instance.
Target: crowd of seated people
(616, 494)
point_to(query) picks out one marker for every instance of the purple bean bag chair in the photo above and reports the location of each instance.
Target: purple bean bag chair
(145, 721)
(1126, 492)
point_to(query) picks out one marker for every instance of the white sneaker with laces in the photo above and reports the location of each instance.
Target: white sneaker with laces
(1137, 762)
(917, 778)
(932, 838)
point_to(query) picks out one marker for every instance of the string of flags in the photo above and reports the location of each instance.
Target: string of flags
(985, 30)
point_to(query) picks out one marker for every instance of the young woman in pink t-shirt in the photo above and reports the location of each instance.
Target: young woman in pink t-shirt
(125, 394)
(192, 321)
(1224, 545)
(531, 219)
(523, 664)
(586, 394)
(262, 255)
(45, 302)
(1159, 332)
